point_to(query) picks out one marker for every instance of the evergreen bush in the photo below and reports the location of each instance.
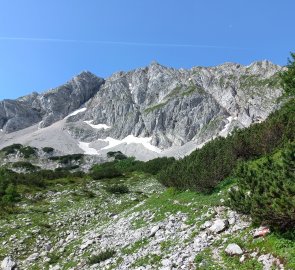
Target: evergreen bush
(266, 190)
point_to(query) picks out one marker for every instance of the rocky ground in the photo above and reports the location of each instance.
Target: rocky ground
(77, 224)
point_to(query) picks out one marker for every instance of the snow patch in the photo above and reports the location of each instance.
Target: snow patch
(98, 126)
(76, 112)
(87, 150)
(146, 142)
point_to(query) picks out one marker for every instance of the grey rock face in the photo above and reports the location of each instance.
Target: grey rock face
(172, 107)
(177, 106)
(49, 107)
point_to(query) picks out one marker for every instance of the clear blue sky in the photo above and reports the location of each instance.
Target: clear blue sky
(44, 43)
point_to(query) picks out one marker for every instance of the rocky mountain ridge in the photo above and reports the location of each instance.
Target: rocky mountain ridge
(49, 107)
(175, 110)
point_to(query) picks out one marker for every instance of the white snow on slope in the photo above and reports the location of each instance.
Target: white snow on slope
(146, 142)
(87, 150)
(76, 112)
(98, 126)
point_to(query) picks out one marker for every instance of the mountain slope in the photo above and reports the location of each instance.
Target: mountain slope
(174, 110)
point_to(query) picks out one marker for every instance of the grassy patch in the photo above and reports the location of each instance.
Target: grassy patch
(151, 259)
(155, 107)
(172, 201)
(135, 246)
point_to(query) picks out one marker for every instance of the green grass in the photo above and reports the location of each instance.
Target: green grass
(151, 259)
(139, 223)
(135, 246)
(276, 244)
(253, 81)
(172, 201)
(155, 107)
(204, 261)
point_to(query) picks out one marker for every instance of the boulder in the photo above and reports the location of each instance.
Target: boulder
(32, 257)
(219, 226)
(233, 249)
(154, 230)
(8, 263)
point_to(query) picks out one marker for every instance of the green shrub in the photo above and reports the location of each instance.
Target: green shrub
(203, 169)
(48, 150)
(105, 170)
(25, 165)
(25, 151)
(67, 159)
(11, 149)
(8, 193)
(103, 256)
(154, 166)
(128, 165)
(118, 155)
(266, 190)
(28, 151)
(118, 189)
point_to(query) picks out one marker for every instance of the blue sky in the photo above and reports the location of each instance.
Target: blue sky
(44, 43)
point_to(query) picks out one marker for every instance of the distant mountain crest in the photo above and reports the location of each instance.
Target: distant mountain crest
(171, 107)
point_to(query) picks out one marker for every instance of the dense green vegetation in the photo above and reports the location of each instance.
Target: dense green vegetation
(105, 170)
(266, 189)
(206, 167)
(120, 167)
(8, 193)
